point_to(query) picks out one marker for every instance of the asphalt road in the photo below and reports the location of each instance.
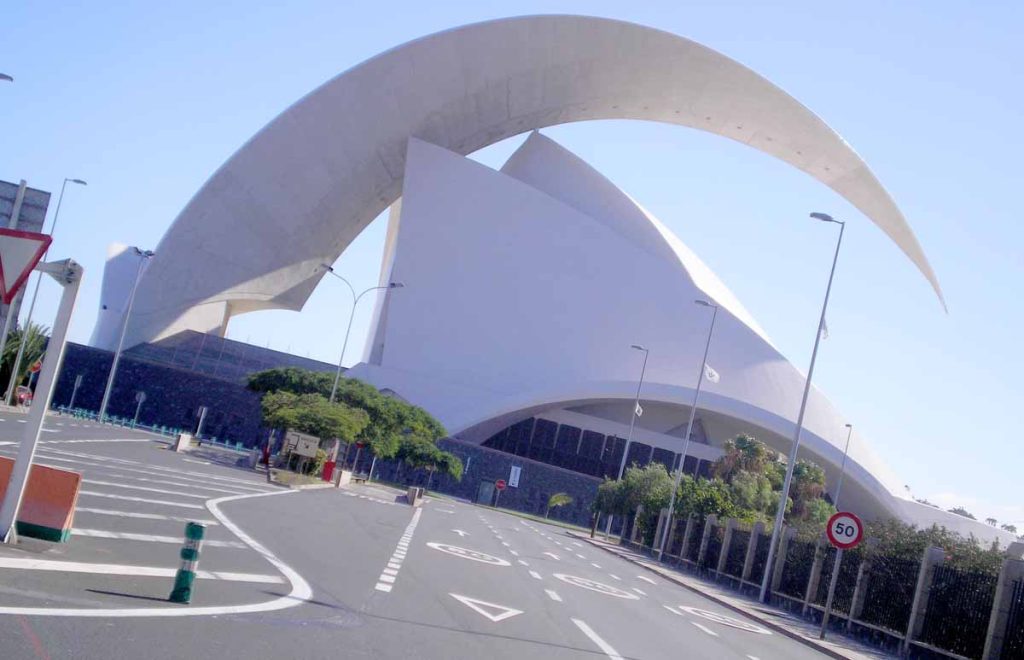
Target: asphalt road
(328, 573)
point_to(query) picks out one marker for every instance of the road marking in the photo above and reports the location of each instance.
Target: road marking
(128, 569)
(753, 657)
(506, 544)
(577, 544)
(595, 564)
(491, 611)
(725, 620)
(646, 579)
(192, 460)
(705, 629)
(178, 483)
(593, 585)
(146, 516)
(553, 595)
(522, 562)
(390, 574)
(162, 491)
(580, 556)
(461, 533)
(445, 511)
(614, 577)
(513, 553)
(639, 591)
(85, 440)
(465, 553)
(535, 575)
(552, 555)
(300, 591)
(152, 538)
(183, 505)
(605, 647)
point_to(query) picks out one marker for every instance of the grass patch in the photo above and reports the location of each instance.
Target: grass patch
(294, 478)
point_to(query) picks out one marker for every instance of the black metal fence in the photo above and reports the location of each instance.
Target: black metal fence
(890, 593)
(959, 605)
(1013, 642)
(737, 556)
(797, 570)
(760, 559)
(845, 583)
(714, 547)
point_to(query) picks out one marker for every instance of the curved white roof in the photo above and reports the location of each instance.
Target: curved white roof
(299, 191)
(526, 287)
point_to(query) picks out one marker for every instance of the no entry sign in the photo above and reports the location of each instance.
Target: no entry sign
(844, 530)
(500, 484)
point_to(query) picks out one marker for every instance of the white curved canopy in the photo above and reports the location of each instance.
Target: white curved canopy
(303, 188)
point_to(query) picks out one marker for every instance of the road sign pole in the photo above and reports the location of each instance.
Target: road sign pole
(69, 274)
(137, 409)
(831, 592)
(74, 392)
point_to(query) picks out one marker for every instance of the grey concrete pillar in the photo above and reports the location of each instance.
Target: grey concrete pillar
(671, 535)
(709, 525)
(1011, 571)
(636, 527)
(860, 590)
(660, 528)
(820, 550)
(723, 556)
(932, 557)
(691, 525)
(780, 557)
(748, 562)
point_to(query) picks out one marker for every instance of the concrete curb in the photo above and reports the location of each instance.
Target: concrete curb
(814, 644)
(306, 486)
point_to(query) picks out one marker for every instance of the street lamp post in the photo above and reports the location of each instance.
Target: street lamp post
(842, 470)
(781, 513)
(689, 425)
(13, 384)
(145, 256)
(632, 423)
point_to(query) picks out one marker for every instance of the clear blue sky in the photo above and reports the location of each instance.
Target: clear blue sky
(145, 100)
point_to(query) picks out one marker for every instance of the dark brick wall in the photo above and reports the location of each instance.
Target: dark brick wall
(537, 482)
(173, 396)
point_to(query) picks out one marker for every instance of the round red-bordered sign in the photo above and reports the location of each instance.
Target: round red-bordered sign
(844, 530)
(500, 484)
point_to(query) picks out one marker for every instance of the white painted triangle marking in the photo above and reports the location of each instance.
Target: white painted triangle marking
(478, 606)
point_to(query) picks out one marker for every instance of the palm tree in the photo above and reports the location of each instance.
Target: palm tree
(556, 500)
(35, 337)
(991, 521)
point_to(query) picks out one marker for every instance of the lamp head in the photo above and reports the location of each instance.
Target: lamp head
(849, 426)
(329, 269)
(4, 76)
(637, 347)
(396, 285)
(704, 303)
(78, 181)
(824, 217)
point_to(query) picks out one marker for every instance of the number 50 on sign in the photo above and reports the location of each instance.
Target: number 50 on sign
(844, 530)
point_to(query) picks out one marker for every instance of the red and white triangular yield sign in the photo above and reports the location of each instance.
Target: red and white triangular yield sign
(20, 251)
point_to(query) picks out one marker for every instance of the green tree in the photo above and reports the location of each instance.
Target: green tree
(312, 414)
(752, 493)
(611, 498)
(422, 454)
(808, 485)
(1009, 528)
(960, 511)
(704, 497)
(744, 454)
(557, 500)
(35, 338)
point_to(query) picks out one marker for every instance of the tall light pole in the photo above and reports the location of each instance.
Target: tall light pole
(781, 513)
(689, 425)
(842, 470)
(351, 316)
(144, 255)
(632, 423)
(13, 385)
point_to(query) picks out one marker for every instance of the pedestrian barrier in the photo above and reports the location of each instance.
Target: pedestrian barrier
(48, 506)
(186, 575)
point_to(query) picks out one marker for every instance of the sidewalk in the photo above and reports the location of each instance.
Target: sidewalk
(768, 616)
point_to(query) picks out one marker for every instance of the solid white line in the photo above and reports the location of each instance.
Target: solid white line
(178, 483)
(146, 516)
(705, 629)
(128, 569)
(553, 595)
(601, 644)
(144, 488)
(152, 538)
(183, 505)
(535, 575)
(83, 440)
(645, 579)
(300, 592)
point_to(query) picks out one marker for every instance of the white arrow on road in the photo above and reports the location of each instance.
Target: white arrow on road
(491, 611)
(552, 555)
(460, 532)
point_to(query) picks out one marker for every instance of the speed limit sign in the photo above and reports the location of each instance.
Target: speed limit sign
(844, 530)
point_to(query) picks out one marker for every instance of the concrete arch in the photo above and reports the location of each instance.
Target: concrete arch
(299, 191)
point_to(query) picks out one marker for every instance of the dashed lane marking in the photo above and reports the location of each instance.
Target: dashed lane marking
(25, 564)
(639, 591)
(513, 553)
(390, 574)
(553, 595)
(614, 577)
(705, 628)
(183, 505)
(523, 562)
(535, 575)
(145, 516)
(645, 579)
(595, 564)
(605, 647)
(552, 555)
(152, 538)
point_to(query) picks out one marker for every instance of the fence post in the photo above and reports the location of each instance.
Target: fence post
(932, 557)
(660, 529)
(780, 557)
(748, 562)
(820, 550)
(860, 587)
(1011, 571)
(674, 522)
(691, 522)
(723, 555)
(636, 524)
(709, 524)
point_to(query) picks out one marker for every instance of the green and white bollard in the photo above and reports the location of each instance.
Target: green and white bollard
(182, 592)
